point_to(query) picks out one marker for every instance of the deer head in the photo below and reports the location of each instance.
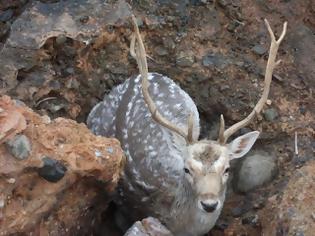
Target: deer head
(206, 167)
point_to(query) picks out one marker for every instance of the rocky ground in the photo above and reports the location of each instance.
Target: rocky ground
(61, 57)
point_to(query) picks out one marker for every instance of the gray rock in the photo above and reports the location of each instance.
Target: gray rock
(148, 227)
(19, 147)
(270, 114)
(254, 171)
(161, 51)
(185, 59)
(215, 60)
(259, 49)
(61, 39)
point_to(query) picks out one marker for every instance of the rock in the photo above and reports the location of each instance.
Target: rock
(161, 51)
(61, 39)
(19, 147)
(6, 15)
(292, 212)
(52, 170)
(254, 171)
(215, 60)
(148, 227)
(270, 114)
(259, 49)
(69, 203)
(185, 59)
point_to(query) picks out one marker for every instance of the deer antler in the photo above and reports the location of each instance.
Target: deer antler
(140, 55)
(271, 64)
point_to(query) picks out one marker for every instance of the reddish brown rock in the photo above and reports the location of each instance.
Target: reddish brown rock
(64, 184)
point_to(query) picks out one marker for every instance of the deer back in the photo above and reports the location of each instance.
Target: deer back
(154, 153)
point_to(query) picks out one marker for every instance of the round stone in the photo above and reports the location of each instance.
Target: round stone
(19, 147)
(52, 170)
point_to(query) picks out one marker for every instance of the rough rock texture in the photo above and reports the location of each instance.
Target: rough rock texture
(148, 227)
(64, 183)
(293, 212)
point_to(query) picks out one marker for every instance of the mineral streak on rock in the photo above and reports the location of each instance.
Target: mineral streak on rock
(63, 205)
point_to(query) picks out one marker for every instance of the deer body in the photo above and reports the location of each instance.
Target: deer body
(169, 174)
(154, 179)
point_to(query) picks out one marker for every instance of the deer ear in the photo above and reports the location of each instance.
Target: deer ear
(241, 145)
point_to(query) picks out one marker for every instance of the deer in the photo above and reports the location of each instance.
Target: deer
(170, 174)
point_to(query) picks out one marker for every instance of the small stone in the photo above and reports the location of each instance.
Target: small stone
(1, 203)
(11, 181)
(252, 220)
(19, 147)
(270, 114)
(259, 49)
(52, 170)
(70, 70)
(161, 51)
(313, 216)
(268, 102)
(254, 171)
(185, 59)
(241, 209)
(61, 39)
(221, 224)
(215, 60)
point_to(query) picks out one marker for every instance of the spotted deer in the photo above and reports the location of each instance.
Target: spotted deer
(169, 174)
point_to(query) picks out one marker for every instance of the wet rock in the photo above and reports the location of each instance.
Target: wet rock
(241, 209)
(254, 171)
(19, 147)
(148, 227)
(52, 170)
(251, 219)
(259, 49)
(270, 114)
(185, 59)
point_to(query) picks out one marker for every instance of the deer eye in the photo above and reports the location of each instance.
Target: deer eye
(227, 170)
(187, 171)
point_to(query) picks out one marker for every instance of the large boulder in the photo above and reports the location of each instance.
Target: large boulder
(56, 177)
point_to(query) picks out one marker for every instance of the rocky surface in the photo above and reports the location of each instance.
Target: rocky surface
(55, 175)
(216, 51)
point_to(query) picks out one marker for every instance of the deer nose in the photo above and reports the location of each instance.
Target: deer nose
(209, 207)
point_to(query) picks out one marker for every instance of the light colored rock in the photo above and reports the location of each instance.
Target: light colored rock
(148, 227)
(19, 147)
(254, 171)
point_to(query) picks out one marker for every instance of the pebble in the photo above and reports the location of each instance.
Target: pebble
(52, 170)
(252, 220)
(61, 39)
(161, 51)
(270, 114)
(259, 49)
(255, 170)
(185, 59)
(19, 147)
(215, 60)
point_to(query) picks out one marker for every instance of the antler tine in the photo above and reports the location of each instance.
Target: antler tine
(221, 130)
(271, 64)
(140, 55)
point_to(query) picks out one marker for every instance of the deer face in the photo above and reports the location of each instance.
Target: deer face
(207, 168)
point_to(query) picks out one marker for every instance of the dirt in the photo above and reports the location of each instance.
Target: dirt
(216, 51)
